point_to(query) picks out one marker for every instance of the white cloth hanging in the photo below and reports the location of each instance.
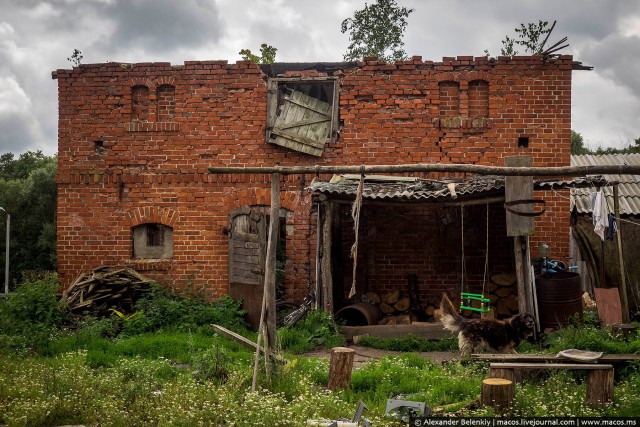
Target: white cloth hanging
(600, 213)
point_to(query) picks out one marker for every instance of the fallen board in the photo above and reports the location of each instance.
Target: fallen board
(608, 305)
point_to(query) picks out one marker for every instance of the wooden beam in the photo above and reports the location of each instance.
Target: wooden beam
(325, 263)
(623, 283)
(244, 341)
(270, 264)
(559, 171)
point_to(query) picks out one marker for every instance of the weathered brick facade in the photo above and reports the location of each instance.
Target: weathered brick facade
(135, 141)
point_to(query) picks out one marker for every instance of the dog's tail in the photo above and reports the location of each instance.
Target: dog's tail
(449, 316)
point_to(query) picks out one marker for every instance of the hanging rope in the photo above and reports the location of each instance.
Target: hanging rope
(486, 254)
(355, 214)
(464, 272)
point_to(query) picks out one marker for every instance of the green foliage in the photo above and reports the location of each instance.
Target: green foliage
(530, 36)
(315, 330)
(588, 335)
(75, 58)
(629, 148)
(410, 343)
(267, 55)
(28, 192)
(162, 309)
(577, 144)
(377, 30)
(30, 315)
(212, 365)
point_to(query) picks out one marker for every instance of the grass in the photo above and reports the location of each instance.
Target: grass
(153, 372)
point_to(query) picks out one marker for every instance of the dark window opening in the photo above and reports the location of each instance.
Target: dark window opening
(523, 142)
(155, 235)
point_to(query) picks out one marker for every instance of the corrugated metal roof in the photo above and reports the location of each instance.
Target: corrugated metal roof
(628, 189)
(387, 188)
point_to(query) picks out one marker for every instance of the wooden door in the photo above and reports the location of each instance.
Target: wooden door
(247, 251)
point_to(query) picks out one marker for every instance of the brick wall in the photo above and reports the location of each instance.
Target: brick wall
(125, 157)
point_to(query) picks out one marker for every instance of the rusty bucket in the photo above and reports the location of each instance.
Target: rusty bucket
(559, 298)
(359, 314)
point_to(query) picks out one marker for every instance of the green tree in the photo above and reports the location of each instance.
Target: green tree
(377, 30)
(577, 144)
(28, 193)
(267, 55)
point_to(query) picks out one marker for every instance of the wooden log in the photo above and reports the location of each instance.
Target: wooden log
(430, 311)
(325, 264)
(623, 283)
(504, 291)
(391, 297)
(599, 387)
(504, 279)
(270, 263)
(554, 171)
(386, 308)
(373, 296)
(244, 342)
(403, 304)
(497, 393)
(403, 320)
(387, 320)
(340, 367)
(513, 375)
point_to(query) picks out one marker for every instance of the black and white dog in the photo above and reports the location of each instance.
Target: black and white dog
(491, 335)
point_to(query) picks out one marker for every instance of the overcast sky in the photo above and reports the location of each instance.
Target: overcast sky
(37, 37)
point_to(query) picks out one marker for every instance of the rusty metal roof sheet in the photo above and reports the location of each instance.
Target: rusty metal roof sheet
(628, 188)
(387, 188)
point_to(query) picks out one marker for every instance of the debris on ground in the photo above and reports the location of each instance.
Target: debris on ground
(105, 288)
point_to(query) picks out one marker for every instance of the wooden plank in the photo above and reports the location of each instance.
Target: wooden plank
(430, 331)
(608, 305)
(581, 366)
(325, 265)
(297, 138)
(244, 341)
(519, 188)
(540, 358)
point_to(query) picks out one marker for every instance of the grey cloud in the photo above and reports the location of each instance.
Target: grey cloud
(617, 58)
(162, 25)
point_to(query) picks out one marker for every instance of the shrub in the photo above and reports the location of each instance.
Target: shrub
(316, 329)
(161, 309)
(29, 315)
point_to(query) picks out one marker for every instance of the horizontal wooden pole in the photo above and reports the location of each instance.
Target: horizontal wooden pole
(559, 171)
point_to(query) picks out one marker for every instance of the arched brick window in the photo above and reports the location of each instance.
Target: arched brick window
(478, 99)
(140, 103)
(152, 241)
(166, 103)
(449, 104)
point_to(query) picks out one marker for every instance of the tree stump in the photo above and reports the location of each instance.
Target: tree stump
(340, 368)
(498, 393)
(599, 387)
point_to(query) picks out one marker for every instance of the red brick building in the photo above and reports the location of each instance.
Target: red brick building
(135, 142)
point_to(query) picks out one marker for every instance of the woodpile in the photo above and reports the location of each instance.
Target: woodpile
(105, 288)
(503, 294)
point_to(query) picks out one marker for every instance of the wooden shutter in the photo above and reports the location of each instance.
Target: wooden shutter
(304, 123)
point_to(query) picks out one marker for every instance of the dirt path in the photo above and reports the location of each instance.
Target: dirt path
(367, 354)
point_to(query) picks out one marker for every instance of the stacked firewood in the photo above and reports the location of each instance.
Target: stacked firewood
(503, 294)
(105, 288)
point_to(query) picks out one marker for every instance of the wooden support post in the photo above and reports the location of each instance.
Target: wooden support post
(498, 393)
(520, 273)
(623, 284)
(599, 387)
(325, 265)
(270, 263)
(340, 368)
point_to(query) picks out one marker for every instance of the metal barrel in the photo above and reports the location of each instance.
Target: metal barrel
(559, 298)
(359, 314)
